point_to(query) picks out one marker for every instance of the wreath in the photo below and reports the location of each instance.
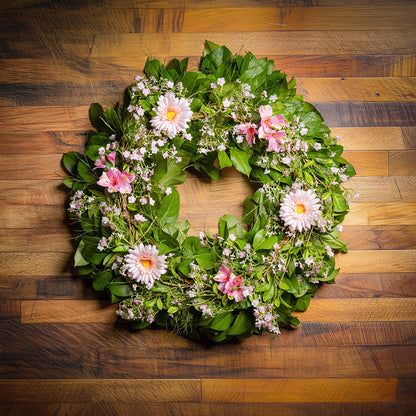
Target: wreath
(235, 111)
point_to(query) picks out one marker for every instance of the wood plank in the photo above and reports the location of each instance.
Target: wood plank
(368, 114)
(29, 167)
(35, 240)
(368, 163)
(41, 143)
(168, 20)
(289, 362)
(402, 163)
(377, 261)
(9, 311)
(209, 409)
(321, 310)
(67, 311)
(361, 310)
(260, 43)
(183, 20)
(41, 264)
(68, 94)
(190, 4)
(122, 391)
(384, 189)
(316, 390)
(307, 409)
(29, 192)
(370, 285)
(30, 119)
(375, 138)
(380, 237)
(390, 214)
(406, 390)
(49, 287)
(119, 336)
(357, 89)
(46, 217)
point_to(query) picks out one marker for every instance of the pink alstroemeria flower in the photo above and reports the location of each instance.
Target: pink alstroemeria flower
(269, 121)
(229, 283)
(124, 182)
(100, 163)
(116, 181)
(249, 130)
(275, 140)
(112, 158)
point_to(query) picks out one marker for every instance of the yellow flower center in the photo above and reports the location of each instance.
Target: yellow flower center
(300, 208)
(146, 263)
(171, 115)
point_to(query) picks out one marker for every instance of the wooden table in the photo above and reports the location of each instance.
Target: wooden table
(62, 350)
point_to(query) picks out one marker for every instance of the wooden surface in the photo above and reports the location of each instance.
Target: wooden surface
(62, 350)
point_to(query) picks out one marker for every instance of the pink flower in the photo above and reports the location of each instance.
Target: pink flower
(249, 130)
(269, 121)
(172, 115)
(100, 163)
(229, 283)
(112, 157)
(300, 210)
(275, 140)
(116, 181)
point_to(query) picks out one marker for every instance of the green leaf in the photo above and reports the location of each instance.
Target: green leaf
(206, 260)
(243, 323)
(168, 172)
(70, 161)
(169, 208)
(101, 280)
(122, 290)
(224, 160)
(86, 173)
(262, 242)
(340, 203)
(303, 303)
(97, 117)
(240, 160)
(220, 323)
(79, 259)
(209, 47)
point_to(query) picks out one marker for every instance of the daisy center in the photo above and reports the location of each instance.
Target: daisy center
(146, 263)
(300, 208)
(171, 115)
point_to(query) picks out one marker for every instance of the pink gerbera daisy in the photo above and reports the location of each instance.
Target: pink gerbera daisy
(300, 210)
(144, 264)
(229, 283)
(172, 115)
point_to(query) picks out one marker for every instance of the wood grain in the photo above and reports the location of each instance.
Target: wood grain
(63, 350)
(318, 390)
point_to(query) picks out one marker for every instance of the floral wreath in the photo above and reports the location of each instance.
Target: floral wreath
(235, 111)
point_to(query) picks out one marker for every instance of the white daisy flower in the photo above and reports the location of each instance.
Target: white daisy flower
(172, 115)
(300, 210)
(144, 264)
